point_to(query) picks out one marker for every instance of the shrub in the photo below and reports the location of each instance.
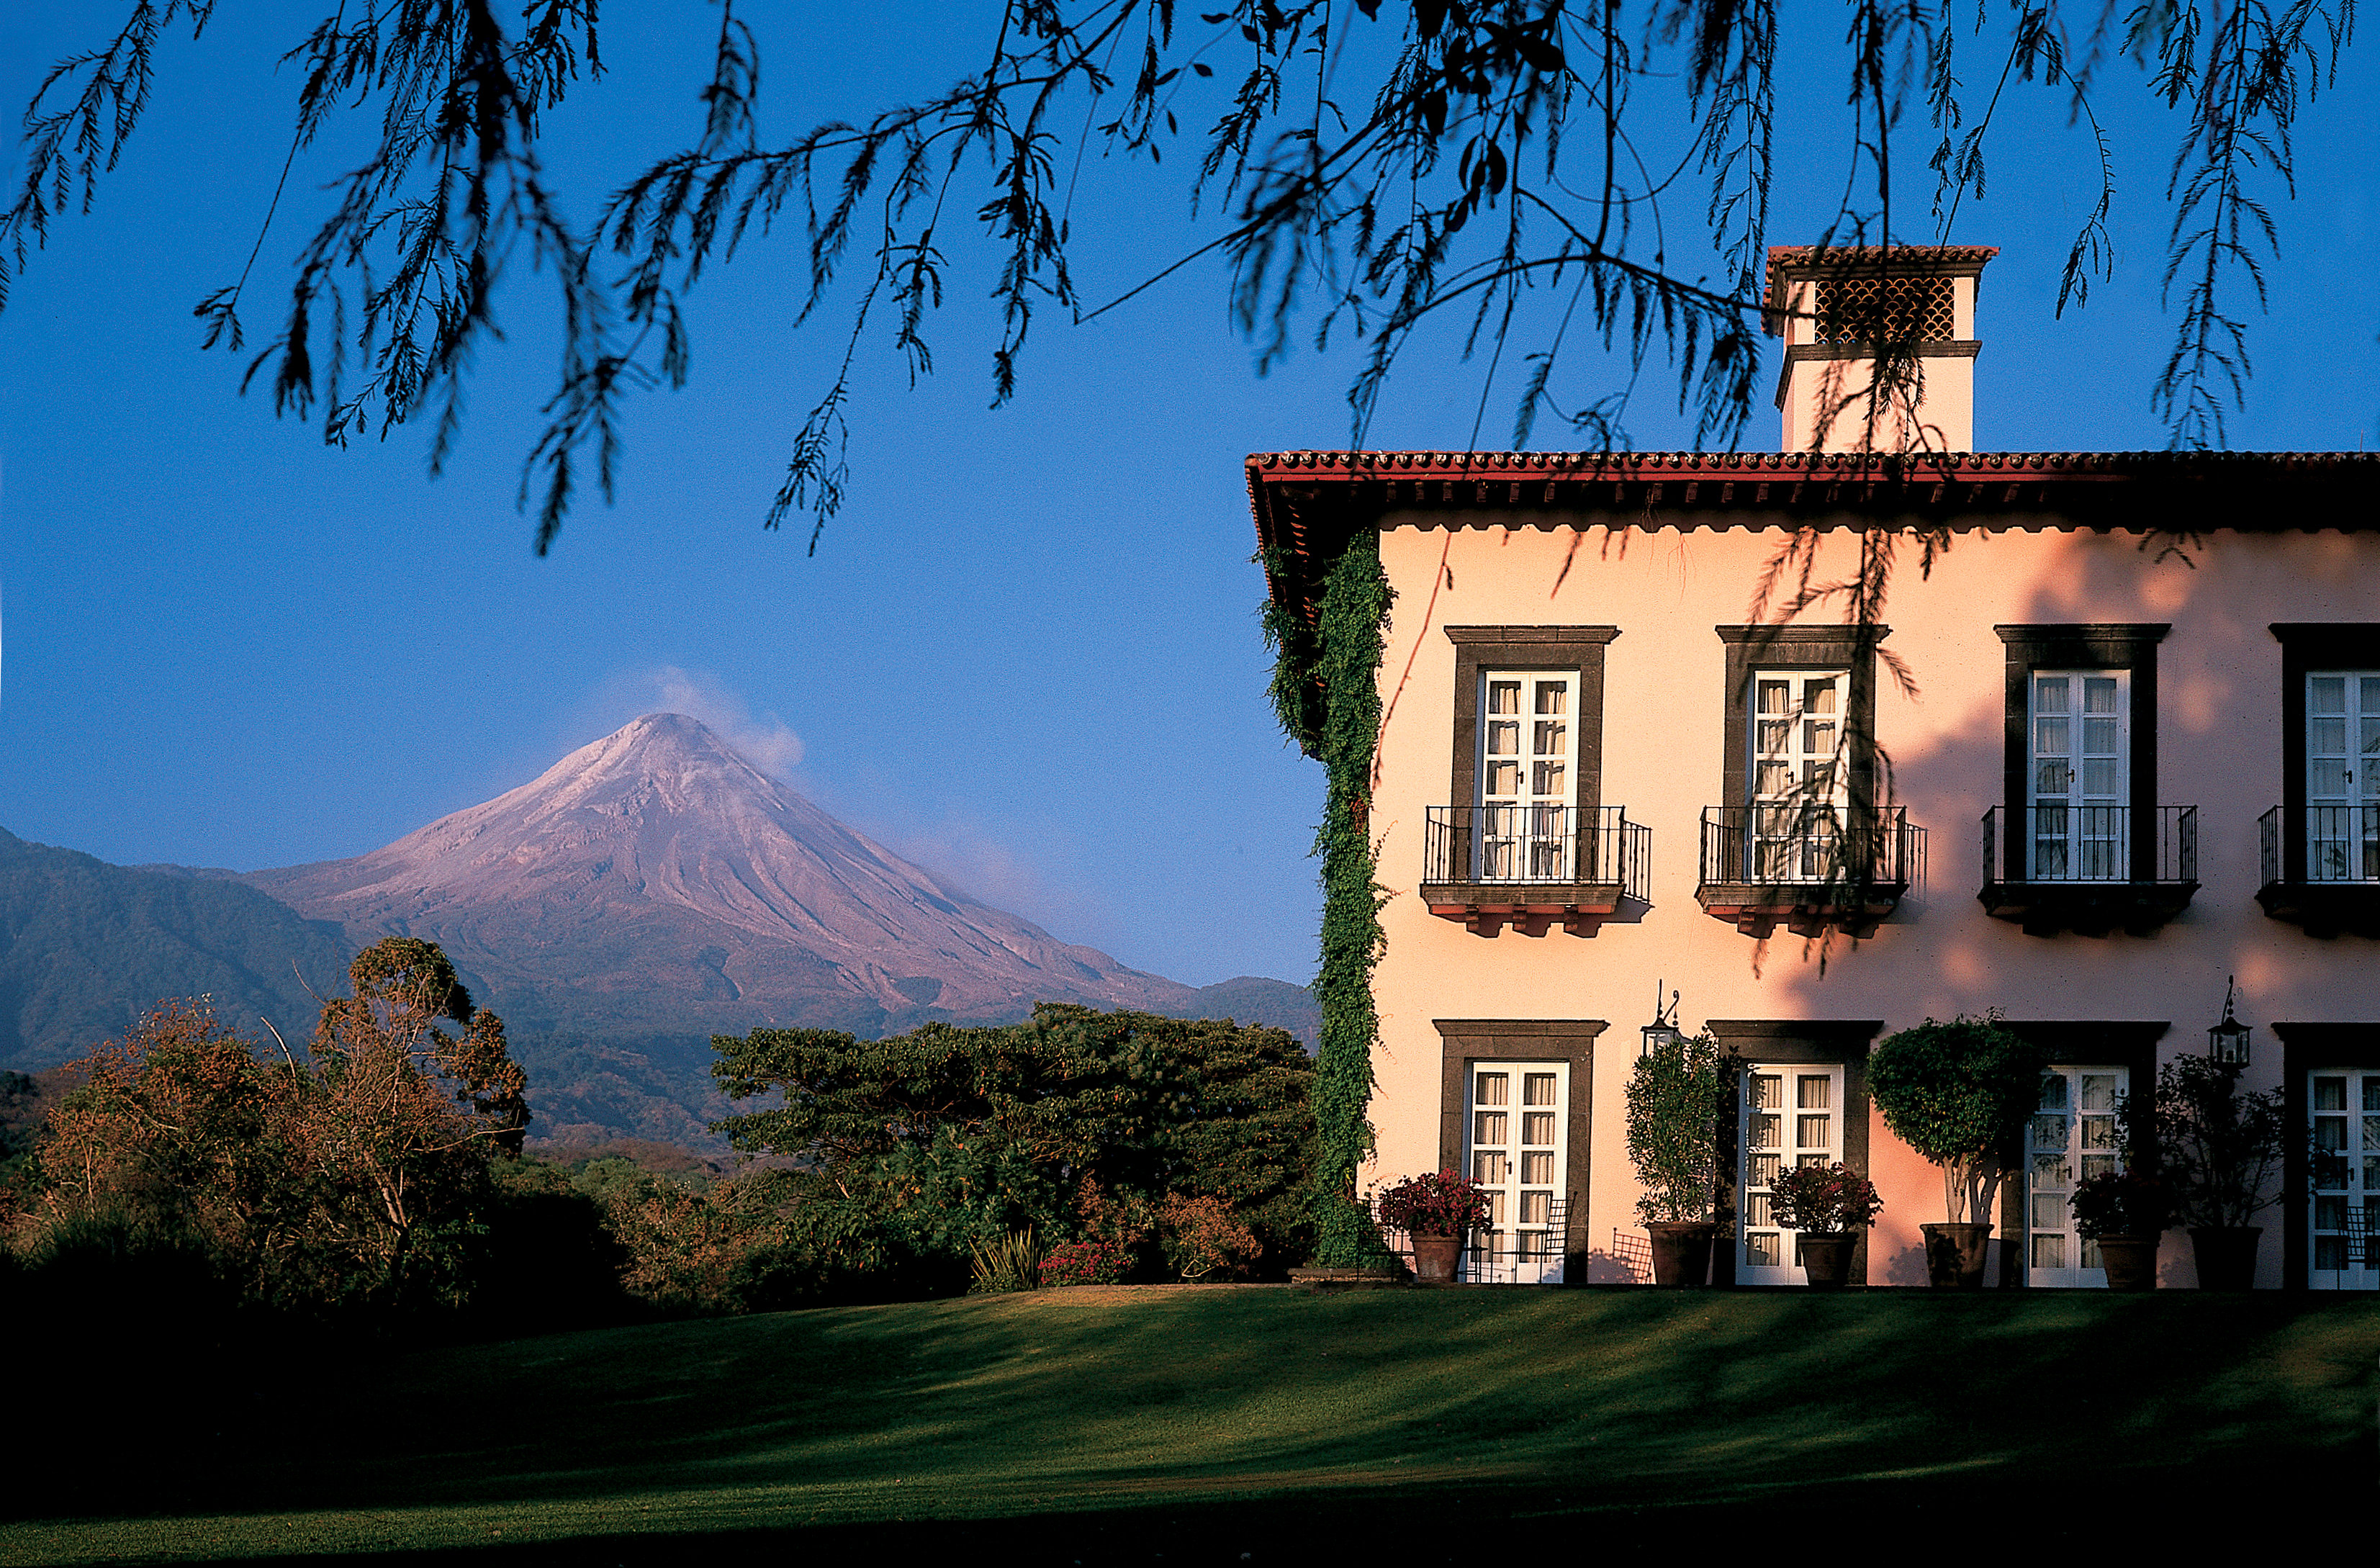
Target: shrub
(1086, 1263)
(1445, 1204)
(1824, 1200)
(1673, 1103)
(2220, 1147)
(1202, 1237)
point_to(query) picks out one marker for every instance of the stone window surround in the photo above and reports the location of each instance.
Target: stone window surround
(2129, 646)
(1566, 650)
(1465, 1041)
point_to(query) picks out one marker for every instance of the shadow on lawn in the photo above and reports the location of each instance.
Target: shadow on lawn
(1080, 1413)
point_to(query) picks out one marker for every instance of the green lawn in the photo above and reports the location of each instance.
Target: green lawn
(1193, 1416)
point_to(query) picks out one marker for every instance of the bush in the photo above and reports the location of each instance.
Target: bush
(1012, 1262)
(1086, 1263)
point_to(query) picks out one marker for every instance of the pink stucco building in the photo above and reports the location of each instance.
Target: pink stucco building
(2111, 738)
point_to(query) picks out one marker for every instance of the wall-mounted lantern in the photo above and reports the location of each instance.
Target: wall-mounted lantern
(1663, 1030)
(2228, 1041)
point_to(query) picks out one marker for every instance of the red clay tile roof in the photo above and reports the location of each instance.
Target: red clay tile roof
(1306, 503)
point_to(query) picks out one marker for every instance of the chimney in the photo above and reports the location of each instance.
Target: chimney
(1842, 309)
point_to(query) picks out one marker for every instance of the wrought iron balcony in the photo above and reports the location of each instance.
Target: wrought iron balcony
(1533, 867)
(2090, 870)
(1810, 866)
(2322, 868)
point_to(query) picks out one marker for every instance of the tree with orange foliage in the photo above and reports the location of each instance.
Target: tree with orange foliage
(358, 1176)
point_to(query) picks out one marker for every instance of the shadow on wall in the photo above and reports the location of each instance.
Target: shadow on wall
(2217, 746)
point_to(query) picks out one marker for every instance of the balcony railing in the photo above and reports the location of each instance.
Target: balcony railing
(1519, 846)
(2111, 844)
(2320, 844)
(1803, 846)
(2322, 868)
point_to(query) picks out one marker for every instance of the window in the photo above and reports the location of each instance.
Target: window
(2078, 785)
(1799, 835)
(1792, 1116)
(1801, 1099)
(1524, 837)
(2345, 1220)
(1800, 787)
(1515, 1136)
(2070, 1137)
(2342, 776)
(1527, 772)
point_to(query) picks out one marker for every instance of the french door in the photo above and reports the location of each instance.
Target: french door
(1516, 1127)
(2343, 776)
(2078, 789)
(1528, 742)
(2346, 1218)
(1799, 785)
(2072, 1136)
(1792, 1116)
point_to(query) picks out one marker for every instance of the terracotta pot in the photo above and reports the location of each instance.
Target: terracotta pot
(1681, 1251)
(1827, 1260)
(2131, 1261)
(1954, 1256)
(2226, 1255)
(1434, 1258)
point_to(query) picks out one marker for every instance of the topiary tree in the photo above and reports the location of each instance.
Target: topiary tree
(1673, 1102)
(1956, 1093)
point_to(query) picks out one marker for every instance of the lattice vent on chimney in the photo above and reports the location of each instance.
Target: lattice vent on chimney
(1886, 310)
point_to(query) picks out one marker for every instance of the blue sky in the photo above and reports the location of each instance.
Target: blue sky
(1027, 653)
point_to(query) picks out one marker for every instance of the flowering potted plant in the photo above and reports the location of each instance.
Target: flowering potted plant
(1829, 1205)
(1434, 1210)
(2125, 1211)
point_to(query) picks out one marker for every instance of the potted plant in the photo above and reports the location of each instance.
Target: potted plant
(1829, 1205)
(1957, 1093)
(2222, 1150)
(1673, 1104)
(2125, 1211)
(1434, 1211)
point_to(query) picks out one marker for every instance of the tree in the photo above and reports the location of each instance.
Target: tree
(1675, 1097)
(1075, 1121)
(1374, 166)
(1958, 1094)
(358, 1176)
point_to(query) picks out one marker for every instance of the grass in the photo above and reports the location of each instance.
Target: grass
(1214, 1421)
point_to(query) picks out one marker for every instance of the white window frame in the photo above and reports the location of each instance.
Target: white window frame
(1525, 1176)
(2342, 823)
(2081, 833)
(1796, 835)
(2091, 1142)
(1754, 1234)
(2355, 1123)
(1526, 835)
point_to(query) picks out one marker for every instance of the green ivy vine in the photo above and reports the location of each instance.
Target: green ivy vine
(1325, 691)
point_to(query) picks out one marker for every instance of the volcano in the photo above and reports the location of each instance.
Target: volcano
(656, 879)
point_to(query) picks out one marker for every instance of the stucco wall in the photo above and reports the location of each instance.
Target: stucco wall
(1664, 724)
